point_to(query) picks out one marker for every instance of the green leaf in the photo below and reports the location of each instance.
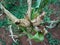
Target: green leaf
(38, 3)
(38, 37)
(47, 19)
(34, 14)
(30, 36)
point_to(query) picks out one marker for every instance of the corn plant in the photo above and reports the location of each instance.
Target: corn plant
(28, 18)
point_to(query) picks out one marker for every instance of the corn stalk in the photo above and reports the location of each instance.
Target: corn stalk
(26, 22)
(29, 8)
